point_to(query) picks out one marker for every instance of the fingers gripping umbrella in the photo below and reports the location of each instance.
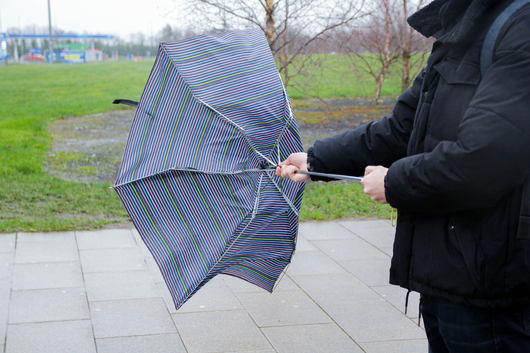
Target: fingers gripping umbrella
(197, 174)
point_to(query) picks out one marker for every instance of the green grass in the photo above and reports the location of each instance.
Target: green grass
(34, 95)
(333, 76)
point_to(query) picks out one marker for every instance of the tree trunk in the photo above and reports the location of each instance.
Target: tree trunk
(386, 53)
(269, 21)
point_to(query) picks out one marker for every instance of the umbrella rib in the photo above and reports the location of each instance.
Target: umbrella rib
(243, 132)
(289, 202)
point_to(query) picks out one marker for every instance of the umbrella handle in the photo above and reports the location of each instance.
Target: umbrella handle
(126, 102)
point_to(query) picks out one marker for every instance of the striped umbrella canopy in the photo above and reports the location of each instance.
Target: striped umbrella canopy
(197, 176)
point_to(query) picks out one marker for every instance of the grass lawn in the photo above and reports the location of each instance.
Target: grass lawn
(35, 95)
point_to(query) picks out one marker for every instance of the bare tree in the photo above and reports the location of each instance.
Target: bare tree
(372, 42)
(413, 47)
(294, 28)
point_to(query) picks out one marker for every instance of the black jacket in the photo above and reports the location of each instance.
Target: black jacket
(458, 150)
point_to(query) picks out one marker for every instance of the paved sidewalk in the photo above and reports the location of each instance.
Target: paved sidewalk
(100, 291)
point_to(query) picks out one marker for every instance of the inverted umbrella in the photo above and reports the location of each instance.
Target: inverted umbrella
(197, 176)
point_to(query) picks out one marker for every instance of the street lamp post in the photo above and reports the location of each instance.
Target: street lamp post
(50, 30)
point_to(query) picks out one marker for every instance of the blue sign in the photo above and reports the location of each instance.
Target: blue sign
(72, 57)
(35, 51)
(3, 47)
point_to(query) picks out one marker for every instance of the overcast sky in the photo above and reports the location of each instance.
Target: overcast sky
(116, 17)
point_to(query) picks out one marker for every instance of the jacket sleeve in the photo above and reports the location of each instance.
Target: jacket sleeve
(491, 156)
(376, 143)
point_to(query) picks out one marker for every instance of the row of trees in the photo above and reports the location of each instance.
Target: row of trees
(374, 32)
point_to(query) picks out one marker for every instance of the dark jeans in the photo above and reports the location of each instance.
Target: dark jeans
(453, 328)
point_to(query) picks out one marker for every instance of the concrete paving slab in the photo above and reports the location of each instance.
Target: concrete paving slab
(282, 308)
(396, 296)
(379, 233)
(371, 272)
(6, 268)
(323, 231)
(409, 346)
(302, 244)
(374, 321)
(105, 239)
(117, 318)
(46, 251)
(47, 275)
(169, 343)
(62, 237)
(154, 269)
(120, 285)
(48, 305)
(310, 339)
(110, 260)
(220, 331)
(141, 245)
(238, 285)
(7, 243)
(215, 295)
(349, 249)
(48, 337)
(336, 289)
(313, 263)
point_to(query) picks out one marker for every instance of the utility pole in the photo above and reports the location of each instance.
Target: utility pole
(50, 30)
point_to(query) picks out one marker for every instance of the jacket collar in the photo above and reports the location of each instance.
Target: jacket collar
(450, 21)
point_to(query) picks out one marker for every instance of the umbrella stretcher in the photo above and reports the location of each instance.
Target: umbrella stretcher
(197, 174)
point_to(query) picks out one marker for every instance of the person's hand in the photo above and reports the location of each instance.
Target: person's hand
(374, 183)
(290, 167)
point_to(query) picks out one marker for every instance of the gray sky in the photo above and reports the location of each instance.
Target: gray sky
(116, 17)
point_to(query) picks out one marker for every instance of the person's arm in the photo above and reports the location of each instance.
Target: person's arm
(377, 143)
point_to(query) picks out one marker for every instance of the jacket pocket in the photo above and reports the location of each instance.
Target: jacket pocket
(470, 250)
(459, 73)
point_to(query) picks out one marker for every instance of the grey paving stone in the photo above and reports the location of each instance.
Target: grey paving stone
(374, 321)
(371, 272)
(105, 239)
(215, 295)
(408, 346)
(170, 343)
(312, 263)
(238, 285)
(117, 318)
(310, 339)
(47, 275)
(220, 331)
(48, 305)
(349, 249)
(378, 233)
(108, 260)
(154, 269)
(396, 296)
(323, 231)
(336, 289)
(51, 337)
(63, 237)
(302, 244)
(6, 268)
(282, 308)
(4, 310)
(120, 285)
(141, 245)
(46, 251)
(7, 243)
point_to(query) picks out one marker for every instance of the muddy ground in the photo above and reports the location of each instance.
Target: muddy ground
(90, 148)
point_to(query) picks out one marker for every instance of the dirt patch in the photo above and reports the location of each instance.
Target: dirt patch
(90, 148)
